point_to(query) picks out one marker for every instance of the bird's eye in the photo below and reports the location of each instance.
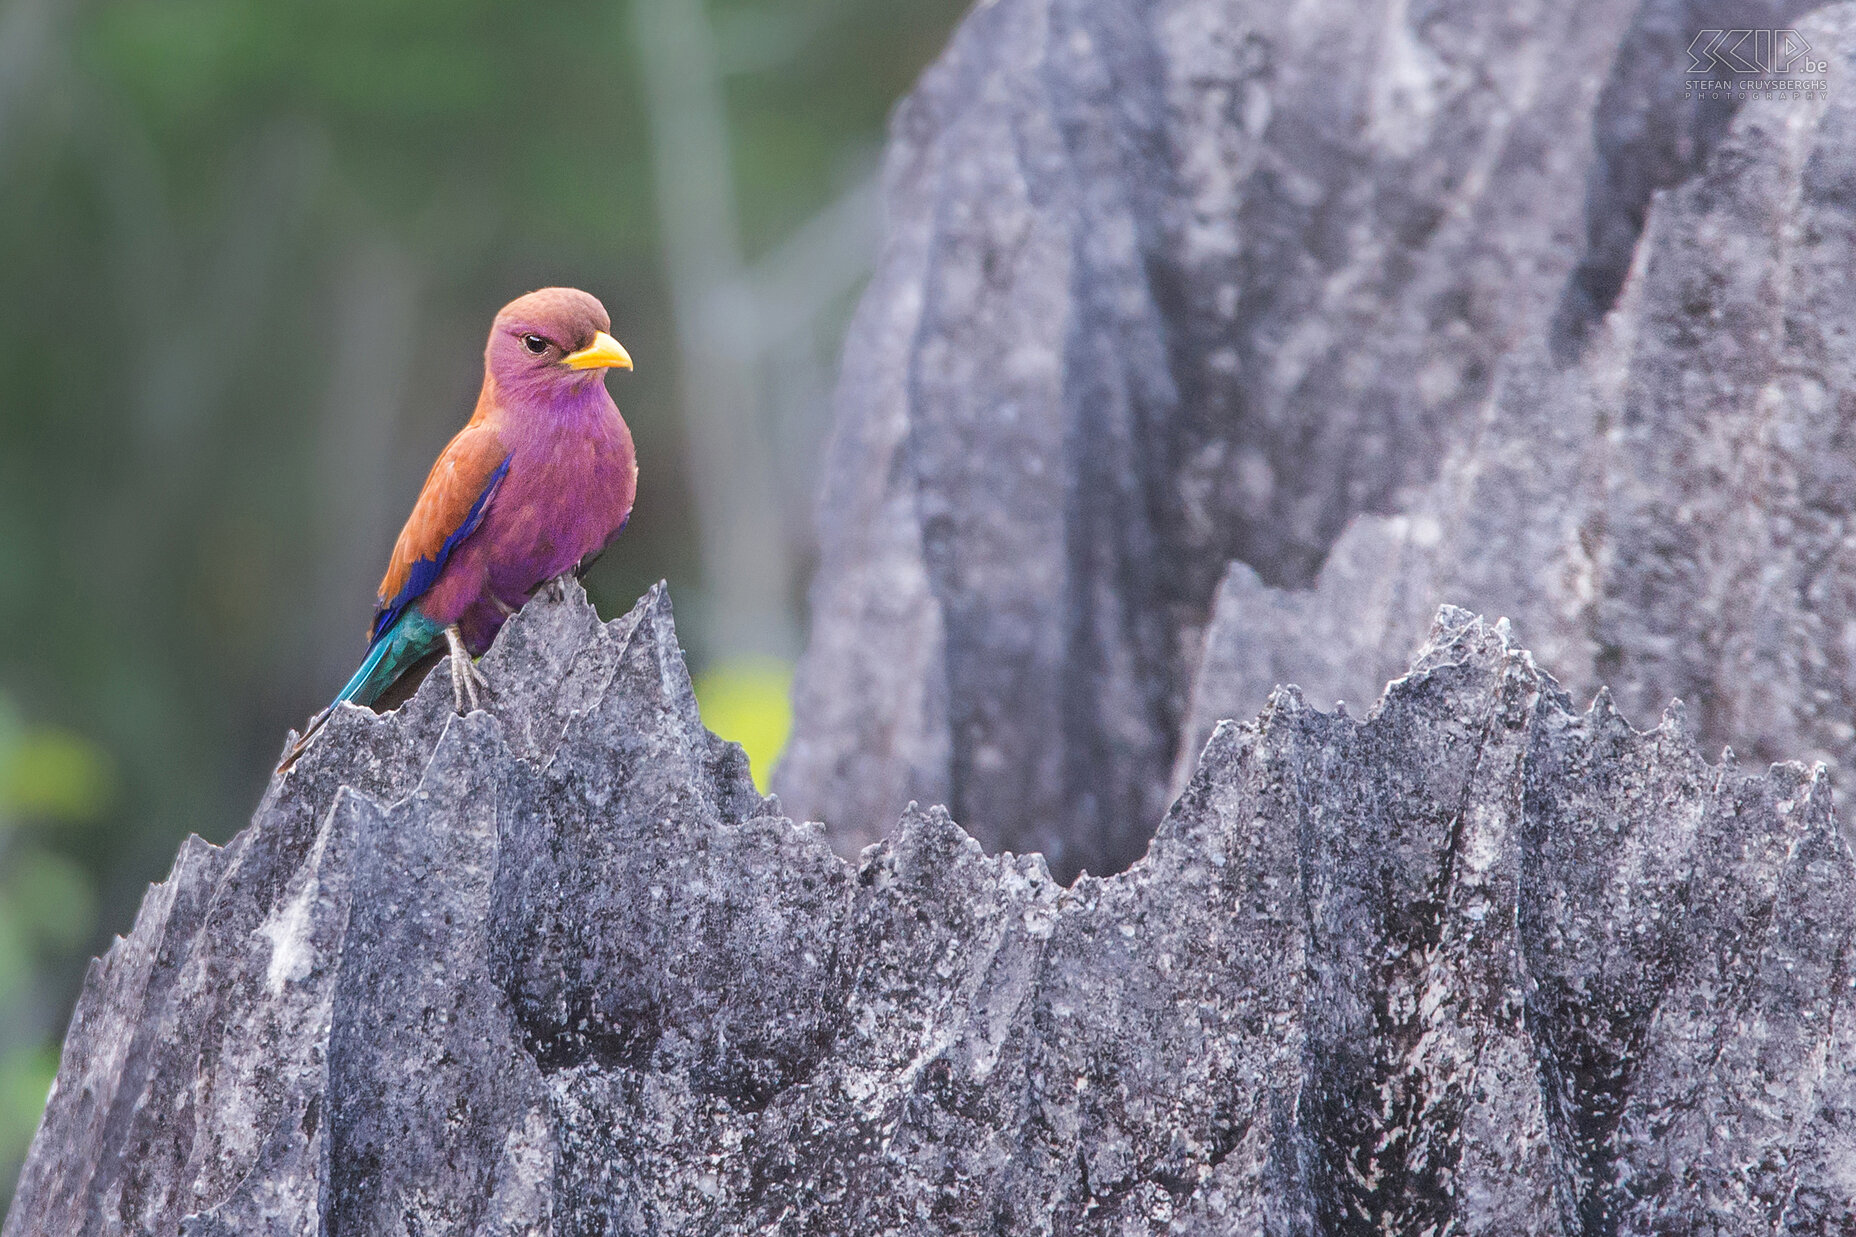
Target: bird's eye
(535, 344)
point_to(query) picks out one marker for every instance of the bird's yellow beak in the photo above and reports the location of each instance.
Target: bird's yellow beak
(604, 352)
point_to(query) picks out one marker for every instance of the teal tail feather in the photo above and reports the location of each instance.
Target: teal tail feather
(400, 646)
(410, 638)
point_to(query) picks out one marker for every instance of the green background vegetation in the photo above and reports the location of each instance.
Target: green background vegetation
(249, 250)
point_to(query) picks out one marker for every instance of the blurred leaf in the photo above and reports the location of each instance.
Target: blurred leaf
(15, 955)
(26, 1073)
(750, 702)
(54, 774)
(50, 899)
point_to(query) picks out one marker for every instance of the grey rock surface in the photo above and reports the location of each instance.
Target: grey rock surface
(1478, 963)
(1675, 514)
(1177, 283)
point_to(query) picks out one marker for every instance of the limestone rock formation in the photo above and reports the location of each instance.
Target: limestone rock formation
(1178, 284)
(1212, 350)
(1672, 516)
(1479, 962)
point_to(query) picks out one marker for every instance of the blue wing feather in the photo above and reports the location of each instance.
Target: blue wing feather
(425, 571)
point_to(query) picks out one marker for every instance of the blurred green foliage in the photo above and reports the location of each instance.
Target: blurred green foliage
(248, 253)
(749, 701)
(52, 785)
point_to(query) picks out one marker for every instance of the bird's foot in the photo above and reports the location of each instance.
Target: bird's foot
(466, 679)
(555, 589)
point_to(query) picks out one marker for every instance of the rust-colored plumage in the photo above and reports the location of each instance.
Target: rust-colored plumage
(458, 479)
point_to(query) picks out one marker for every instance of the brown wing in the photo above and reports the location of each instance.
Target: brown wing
(457, 492)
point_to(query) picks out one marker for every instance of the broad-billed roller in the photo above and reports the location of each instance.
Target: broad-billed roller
(535, 486)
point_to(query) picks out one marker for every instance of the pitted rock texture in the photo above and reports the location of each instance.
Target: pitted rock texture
(1177, 283)
(1674, 515)
(1478, 963)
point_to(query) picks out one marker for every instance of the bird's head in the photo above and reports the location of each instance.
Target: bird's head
(551, 340)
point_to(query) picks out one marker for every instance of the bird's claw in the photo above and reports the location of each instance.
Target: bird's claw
(474, 687)
(555, 588)
(466, 679)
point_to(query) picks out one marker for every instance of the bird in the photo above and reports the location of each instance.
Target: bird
(536, 485)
